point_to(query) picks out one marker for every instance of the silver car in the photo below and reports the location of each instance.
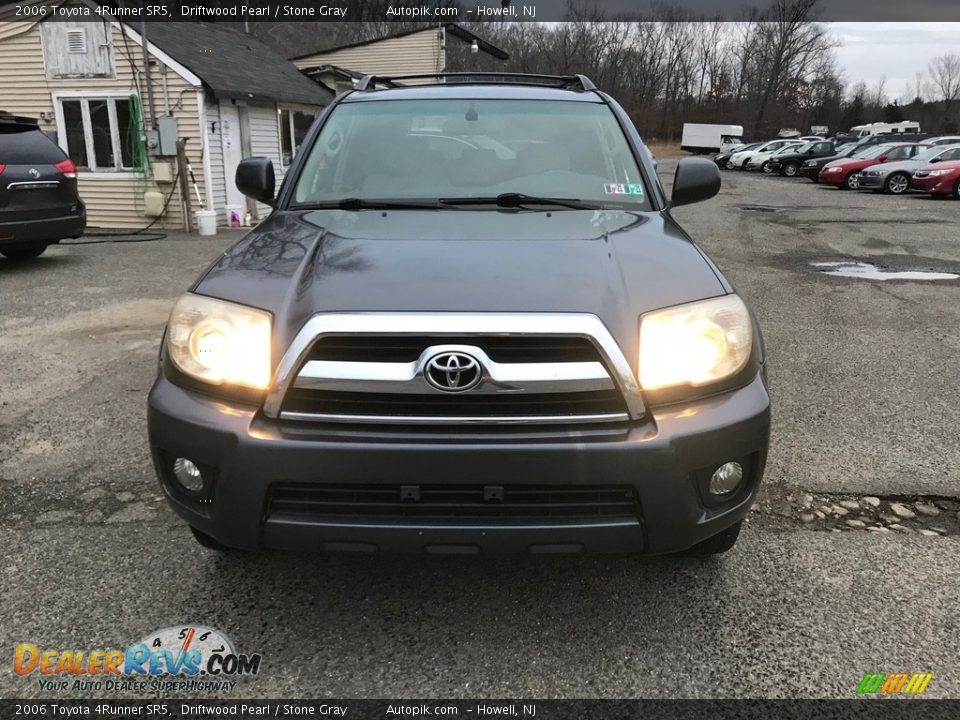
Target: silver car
(894, 177)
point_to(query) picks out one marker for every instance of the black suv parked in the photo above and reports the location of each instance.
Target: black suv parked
(470, 325)
(789, 164)
(811, 168)
(39, 204)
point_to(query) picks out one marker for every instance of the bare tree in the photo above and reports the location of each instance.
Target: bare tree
(945, 77)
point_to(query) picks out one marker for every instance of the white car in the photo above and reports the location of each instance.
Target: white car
(739, 160)
(758, 161)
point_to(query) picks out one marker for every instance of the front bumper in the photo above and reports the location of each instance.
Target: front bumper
(933, 185)
(47, 230)
(659, 458)
(836, 178)
(811, 172)
(872, 182)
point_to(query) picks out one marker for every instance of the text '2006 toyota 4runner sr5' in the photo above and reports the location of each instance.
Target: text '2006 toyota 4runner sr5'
(469, 325)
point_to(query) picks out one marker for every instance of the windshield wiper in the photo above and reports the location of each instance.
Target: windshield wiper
(373, 204)
(515, 200)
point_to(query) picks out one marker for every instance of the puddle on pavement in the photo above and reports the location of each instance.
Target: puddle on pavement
(868, 271)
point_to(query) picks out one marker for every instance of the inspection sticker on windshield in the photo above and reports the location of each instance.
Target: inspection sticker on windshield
(623, 189)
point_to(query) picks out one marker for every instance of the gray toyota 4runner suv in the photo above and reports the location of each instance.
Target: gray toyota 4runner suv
(470, 325)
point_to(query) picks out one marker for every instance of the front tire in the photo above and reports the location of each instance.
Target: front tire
(790, 170)
(765, 168)
(897, 183)
(719, 543)
(22, 252)
(851, 181)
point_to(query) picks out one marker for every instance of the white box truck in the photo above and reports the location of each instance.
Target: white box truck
(699, 138)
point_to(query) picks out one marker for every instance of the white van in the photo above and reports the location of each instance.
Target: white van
(704, 138)
(879, 128)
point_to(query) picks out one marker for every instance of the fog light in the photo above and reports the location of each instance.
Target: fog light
(189, 477)
(726, 479)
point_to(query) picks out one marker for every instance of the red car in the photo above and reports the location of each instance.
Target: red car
(941, 179)
(845, 173)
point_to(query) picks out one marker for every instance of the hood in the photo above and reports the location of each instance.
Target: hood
(613, 264)
(947, 165)
(889, 167)
(853, 163)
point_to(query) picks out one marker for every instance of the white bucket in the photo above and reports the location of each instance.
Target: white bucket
(207, 222)
(235, 215)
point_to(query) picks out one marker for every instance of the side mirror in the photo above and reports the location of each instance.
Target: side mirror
(696, 179)
(255, 179)
(936, 159)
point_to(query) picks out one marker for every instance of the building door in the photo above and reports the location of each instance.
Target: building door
(232, 151)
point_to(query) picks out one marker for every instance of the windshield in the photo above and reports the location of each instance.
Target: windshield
(951, 154)
(874, 151)
(795, 148)
(925, 155)
(430, 150)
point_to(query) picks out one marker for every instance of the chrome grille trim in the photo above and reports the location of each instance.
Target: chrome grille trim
(391, 377)
(458, 325)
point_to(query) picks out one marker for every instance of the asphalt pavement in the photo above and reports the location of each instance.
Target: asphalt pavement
(864, 383)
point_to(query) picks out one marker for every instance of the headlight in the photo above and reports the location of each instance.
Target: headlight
(937, 173)
(695, 344)
(810, 163)
(220, 342)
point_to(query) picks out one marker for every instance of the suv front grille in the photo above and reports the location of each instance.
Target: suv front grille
(439, 503)
(380, 378)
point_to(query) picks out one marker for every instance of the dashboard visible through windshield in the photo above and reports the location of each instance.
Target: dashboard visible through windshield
(454, 150)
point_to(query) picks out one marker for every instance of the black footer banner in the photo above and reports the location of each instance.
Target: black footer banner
(883, 709)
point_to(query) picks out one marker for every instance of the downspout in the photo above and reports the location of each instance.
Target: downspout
(146, 68)
(442, 50)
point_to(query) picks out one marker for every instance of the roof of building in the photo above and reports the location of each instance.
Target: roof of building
(232, 64)
(451, 28)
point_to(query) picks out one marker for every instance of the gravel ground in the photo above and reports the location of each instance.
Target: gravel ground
(864, 383)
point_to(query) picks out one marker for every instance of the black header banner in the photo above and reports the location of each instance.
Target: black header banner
(865, 709)
(461, 11)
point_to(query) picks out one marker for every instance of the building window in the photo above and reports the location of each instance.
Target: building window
(99, 133)
(294, 125)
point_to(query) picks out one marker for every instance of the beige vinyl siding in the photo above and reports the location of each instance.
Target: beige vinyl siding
(408, 55)
(9, 29)
(112, 202)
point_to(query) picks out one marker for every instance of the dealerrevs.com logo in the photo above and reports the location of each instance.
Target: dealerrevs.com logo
(188, 658)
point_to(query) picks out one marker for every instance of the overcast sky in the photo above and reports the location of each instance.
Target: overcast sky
(897, 50)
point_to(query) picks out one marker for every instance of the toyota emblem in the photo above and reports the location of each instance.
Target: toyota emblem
(453, 372)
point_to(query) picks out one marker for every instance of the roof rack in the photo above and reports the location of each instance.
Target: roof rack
(564, 82)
